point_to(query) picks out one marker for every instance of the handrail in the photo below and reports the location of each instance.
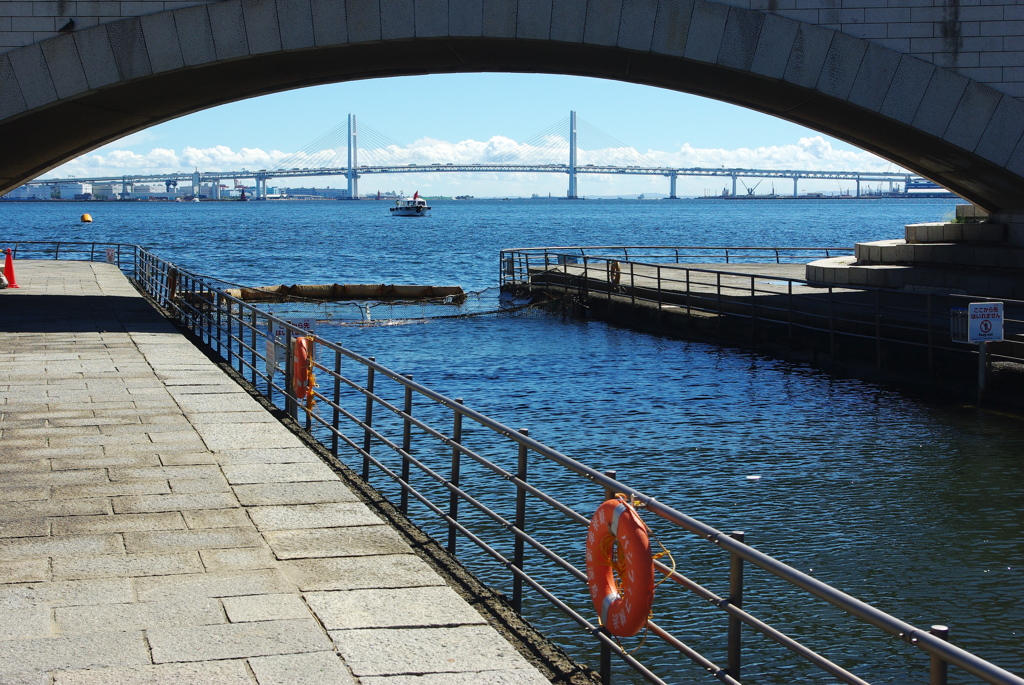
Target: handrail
(223, 321)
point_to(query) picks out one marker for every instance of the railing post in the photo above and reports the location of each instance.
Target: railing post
(304, 403)
(878, 331)
(453, 498)
(585, 281)
(831, 326)
(736, 600)
(291, 407)
(208, 318)
(231, 343)
(368, 420)
(718, 288)
(336, 414)
(406, 445)
(220, 325)
(791, 311)
(632, 286)
(252, 336)
(931, 352)
(753, 310)
(939, 668)
(271, 368)
(659, 287)
(519, 553)
(605, 666)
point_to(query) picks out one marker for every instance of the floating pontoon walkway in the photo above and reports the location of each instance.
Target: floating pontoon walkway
(158, 525)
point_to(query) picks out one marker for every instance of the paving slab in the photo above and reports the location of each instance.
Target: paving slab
(425, 650)
(322, 668)
(260, 638)
(158, 526)
(220, 672)
(392, 608)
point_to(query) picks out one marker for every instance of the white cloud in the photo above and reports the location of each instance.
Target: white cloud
(813, 153)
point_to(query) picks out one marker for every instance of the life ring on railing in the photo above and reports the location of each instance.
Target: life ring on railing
(303, 380)
(614, 272)
(623, 611)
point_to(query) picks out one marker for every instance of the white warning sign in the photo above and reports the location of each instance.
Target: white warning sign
(985, 322)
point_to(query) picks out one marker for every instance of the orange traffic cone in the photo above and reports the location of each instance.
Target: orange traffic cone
(9, 270)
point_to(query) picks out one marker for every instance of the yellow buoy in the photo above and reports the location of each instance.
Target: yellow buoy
(87, 218)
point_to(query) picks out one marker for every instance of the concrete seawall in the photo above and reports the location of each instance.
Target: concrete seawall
(839, 330)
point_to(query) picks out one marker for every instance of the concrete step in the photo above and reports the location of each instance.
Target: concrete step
(939, 232)
(843, 271)
(947, 254)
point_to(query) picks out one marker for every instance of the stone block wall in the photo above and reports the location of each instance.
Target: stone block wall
(980, 39)
(24, 22)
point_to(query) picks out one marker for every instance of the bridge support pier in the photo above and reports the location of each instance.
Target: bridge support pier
(858, 188)
(672, 187)
(734, 177)
(795, 179)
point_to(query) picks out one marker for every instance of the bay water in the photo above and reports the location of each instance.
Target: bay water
(911, 502)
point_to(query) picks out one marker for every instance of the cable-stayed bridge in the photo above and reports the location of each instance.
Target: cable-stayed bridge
(569, 147)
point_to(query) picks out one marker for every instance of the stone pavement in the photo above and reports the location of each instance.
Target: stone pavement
(157, 525)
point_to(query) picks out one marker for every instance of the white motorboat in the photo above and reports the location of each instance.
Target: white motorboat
(417, 206)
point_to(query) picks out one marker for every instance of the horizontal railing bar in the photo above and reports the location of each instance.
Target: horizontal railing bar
(759, 625)
(720, 673)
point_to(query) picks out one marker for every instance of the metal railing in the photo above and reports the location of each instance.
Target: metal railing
(516, 262)
(121, 254)
(659, 280)
(478, 479)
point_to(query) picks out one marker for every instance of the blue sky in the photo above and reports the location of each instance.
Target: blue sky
(442, 111)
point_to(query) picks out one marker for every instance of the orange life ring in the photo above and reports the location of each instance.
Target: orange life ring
(615, 272)
(302, 370)
(616, 523)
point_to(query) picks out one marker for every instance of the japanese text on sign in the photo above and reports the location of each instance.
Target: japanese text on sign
(985, 322)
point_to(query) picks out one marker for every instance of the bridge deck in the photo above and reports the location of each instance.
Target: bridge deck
(157, 525)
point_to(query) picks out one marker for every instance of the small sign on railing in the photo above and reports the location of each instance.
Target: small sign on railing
(111, 255)
(958, 324)
(276, 337)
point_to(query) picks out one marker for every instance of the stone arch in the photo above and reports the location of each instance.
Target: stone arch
(70, 94)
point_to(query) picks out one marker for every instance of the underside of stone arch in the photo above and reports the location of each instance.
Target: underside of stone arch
(71, 94)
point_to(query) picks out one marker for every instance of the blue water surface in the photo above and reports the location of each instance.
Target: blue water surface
(910, 502)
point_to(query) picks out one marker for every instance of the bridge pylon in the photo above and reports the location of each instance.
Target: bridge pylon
(353, 161)
(571, 195)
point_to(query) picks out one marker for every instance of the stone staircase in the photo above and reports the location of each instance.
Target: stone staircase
(971, 256)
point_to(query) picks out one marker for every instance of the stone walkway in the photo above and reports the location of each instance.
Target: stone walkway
(157, 525)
